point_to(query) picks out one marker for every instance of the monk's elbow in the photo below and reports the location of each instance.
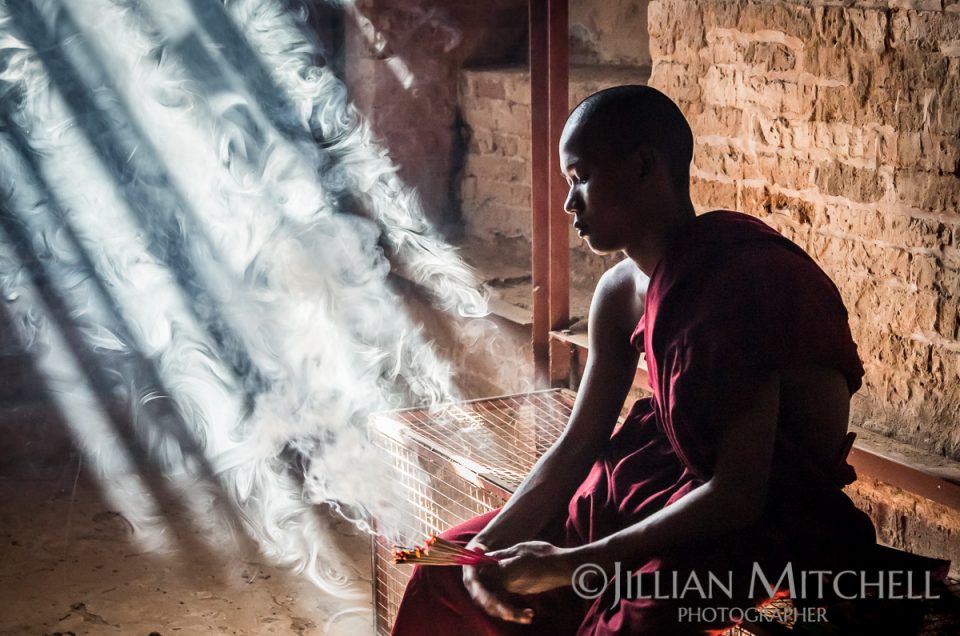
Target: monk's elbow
(743, 505)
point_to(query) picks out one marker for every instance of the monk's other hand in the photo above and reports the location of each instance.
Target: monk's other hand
(532, 567)
(488, 597)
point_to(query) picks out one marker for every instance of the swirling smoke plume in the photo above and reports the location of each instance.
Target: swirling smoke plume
(196, 233)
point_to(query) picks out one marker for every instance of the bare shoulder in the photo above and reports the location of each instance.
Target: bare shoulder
(623, 278)
(619, 298)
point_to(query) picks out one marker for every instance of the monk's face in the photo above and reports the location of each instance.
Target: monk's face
(602, 190)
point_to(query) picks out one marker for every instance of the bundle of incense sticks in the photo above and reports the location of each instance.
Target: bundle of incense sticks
(437, 551)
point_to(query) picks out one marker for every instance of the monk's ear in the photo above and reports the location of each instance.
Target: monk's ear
(642, 160)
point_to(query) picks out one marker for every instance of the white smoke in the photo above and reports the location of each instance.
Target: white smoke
(193, 229)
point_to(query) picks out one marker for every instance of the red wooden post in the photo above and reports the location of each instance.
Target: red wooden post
(559, 273)
(548, 108)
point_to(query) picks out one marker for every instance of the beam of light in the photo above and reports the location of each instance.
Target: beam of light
(148, 433)
(355, 162)
(68, 387)
(214, 223)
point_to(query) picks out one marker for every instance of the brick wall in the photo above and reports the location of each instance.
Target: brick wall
(838, 123)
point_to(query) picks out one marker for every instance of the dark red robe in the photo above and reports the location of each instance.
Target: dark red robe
(730, 300)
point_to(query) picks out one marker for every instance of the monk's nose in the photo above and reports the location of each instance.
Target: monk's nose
(572, 204)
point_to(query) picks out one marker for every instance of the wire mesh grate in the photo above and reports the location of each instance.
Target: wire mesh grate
(456, 462)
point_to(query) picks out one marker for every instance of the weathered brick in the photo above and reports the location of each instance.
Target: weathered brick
(721, 86)
(754, 200)
(894, 230)
(797, 21)
(863, 145)
(928, 190)
(895, 307)
(770, 56)
(676, 28)
(723, 14)
(839, 27)
(510, 84)
(786, 172)
(498, 115)
(909, 153)
(723, 49)
(502, 144)
(912, 357)
(929, 152)
(857, 184)
(922, 30)
(828, 64)
(797, 100)
(498, 168)
(796, 232)
(948, 325)
(708, 194)
(871, 28)
(773, 131)
(512, 194)
(488, 218)
(943, 101)
(720, 160)
(926, 69)
(793, 217)
(851, 256)
(835, 103)
(718, 120)
(676, 80)
(489, 87)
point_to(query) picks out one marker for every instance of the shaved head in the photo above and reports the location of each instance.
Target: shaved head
(618, 120)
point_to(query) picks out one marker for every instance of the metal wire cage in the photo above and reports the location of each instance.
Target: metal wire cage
(455, 463)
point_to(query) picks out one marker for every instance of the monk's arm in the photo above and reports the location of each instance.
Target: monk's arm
(731, 499)
(607, 377)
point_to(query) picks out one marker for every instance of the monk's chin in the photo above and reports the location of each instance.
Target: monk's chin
(599, 247)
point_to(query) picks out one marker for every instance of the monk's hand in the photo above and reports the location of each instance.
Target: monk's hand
(532, 567)
(489, 596)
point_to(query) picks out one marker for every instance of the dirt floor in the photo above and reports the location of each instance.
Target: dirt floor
(72, 564)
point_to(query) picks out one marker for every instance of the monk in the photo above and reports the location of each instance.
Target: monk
(735, 463)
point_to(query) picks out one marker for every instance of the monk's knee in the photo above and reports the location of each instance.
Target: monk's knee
(434, 597)
(431, 583)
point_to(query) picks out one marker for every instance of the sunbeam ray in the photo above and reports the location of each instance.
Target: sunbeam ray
(202, 203)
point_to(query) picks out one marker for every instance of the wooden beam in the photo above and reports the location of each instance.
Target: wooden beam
(559, 224)
(549, 86)
(904, 476)
(540, 187)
